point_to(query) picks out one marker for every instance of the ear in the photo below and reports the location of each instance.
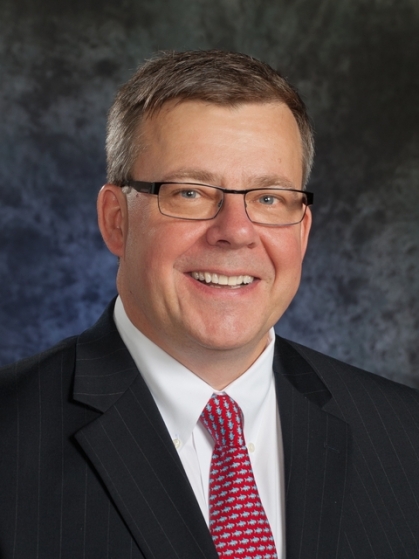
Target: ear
(305, 227)
(113, 217)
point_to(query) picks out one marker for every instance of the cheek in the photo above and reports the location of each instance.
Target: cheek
(139, 255)
(153, 248)
(142, 242)
(286, 255)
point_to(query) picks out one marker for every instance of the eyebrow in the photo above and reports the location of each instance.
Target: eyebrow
(194, 175)
(206, 177)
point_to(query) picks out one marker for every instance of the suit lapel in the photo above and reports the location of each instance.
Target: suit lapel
(316, 454)
(132, 452)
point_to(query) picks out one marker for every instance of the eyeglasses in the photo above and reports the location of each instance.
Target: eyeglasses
(274, 207)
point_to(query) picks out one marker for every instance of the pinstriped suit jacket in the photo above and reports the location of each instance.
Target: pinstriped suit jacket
(88, 470)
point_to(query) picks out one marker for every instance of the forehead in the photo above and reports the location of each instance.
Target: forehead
(248, 138)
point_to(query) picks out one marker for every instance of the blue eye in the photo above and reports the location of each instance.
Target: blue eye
(190, 194)
(267, 200)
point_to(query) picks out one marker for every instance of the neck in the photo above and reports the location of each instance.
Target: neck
(216, 364)
(218, 368)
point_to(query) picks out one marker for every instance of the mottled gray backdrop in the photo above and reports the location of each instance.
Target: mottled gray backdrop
(356, 62)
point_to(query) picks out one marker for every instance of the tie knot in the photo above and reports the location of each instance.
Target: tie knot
(222, 418)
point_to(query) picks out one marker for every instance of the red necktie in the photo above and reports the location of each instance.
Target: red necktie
(238, 523)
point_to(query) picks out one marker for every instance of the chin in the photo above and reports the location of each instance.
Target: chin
(223, 340)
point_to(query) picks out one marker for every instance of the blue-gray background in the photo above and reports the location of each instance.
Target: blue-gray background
(356, 63)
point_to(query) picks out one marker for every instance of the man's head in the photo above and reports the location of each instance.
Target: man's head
(217, 77)
(207, 289)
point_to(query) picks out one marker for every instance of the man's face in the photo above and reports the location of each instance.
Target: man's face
(248, 146)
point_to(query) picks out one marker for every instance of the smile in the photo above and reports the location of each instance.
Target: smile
(220, 279)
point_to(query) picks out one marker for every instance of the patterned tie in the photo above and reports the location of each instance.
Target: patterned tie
(238, 523)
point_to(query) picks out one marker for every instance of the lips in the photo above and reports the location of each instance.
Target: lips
(221, 279)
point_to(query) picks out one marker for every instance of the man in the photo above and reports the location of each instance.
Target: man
(113, 440)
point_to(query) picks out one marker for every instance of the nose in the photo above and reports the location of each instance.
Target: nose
(232, 228)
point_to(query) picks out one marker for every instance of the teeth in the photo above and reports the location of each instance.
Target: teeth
(220, 279)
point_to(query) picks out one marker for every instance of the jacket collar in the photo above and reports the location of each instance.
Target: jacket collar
(104, 368)
(316, 453)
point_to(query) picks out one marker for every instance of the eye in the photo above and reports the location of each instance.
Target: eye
(189, 194)
(270, 199)
(267, 200)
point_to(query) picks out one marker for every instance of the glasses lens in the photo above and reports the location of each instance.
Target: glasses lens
(276, 206)
(189, 201)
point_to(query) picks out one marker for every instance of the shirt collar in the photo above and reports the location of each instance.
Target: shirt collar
(181, 395)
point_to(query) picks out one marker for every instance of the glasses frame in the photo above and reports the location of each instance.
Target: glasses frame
(154, 188)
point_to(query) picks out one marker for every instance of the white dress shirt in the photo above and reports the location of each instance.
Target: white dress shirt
(181, 396)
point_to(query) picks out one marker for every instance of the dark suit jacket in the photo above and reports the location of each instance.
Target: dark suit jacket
(88, 470)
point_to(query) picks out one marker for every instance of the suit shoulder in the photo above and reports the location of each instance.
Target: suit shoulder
(338, 374)
(61, 356)
(376, 409)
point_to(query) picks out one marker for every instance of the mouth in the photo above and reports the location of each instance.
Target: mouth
(222, 280)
